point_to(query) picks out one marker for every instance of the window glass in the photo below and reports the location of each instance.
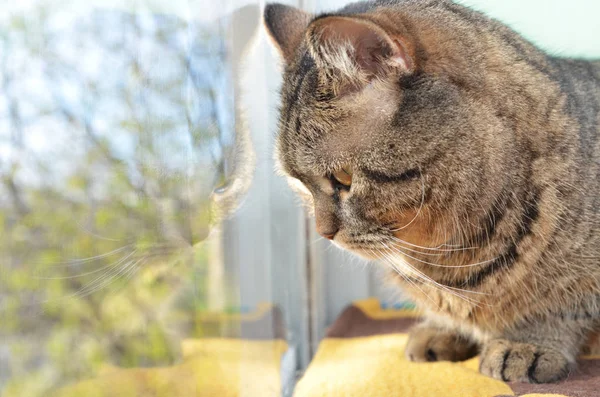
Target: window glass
(146, 242)
(138, 204)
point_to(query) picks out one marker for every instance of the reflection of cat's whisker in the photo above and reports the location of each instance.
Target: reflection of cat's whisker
(96, 234)
(74, 262)
(124, 268)
(110, 265)
(114, 270)
(107, 280)
(131, 268)
(129, 275)
(161, 251)
(400, 251)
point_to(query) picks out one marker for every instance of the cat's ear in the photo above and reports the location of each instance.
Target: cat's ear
(286, 26)
(357, 45)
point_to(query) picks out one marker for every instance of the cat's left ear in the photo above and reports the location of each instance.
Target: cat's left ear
(286, 26)
(358, 45)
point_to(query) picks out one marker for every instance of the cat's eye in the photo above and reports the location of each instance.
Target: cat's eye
(222, 184)
(344, 176)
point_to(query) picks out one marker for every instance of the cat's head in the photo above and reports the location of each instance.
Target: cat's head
(383, 130)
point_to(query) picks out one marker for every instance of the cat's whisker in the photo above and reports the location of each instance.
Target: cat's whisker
(433, 248)
(437, 286)
(460, 231)
(450, 290)
(420, 206)
(400, 250)
(317, 240)
(438, 254)
(453, 288)
(404, 277)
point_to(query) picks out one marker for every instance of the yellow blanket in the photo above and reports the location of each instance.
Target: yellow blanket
(363, 356)
(211, 368)
(244, 361)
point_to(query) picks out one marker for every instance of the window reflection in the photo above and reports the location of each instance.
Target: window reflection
(122, 153)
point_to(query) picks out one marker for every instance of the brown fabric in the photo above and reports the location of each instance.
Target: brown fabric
(354, 323)
(583, 382)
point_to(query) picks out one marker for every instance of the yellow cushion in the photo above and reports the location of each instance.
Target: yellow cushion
(211, 368)
(375, 367)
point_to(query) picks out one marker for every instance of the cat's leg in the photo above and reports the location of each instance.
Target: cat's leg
(429, 342)
(537, 353)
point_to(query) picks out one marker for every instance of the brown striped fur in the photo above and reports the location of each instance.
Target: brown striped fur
(476, 164)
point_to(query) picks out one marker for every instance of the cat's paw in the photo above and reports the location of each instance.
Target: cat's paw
(432, 344)
(523, 362)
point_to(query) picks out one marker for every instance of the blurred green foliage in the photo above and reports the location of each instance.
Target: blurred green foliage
(114, 129)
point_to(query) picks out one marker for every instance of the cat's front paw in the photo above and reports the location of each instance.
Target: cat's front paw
(523, 362)
(432, 344)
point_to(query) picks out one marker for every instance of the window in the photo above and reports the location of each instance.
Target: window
(123, 157)
(145, 238)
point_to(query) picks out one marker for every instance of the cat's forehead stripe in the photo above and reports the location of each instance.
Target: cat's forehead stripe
(306, 65)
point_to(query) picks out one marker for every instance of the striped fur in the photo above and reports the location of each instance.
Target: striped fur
(476, 163)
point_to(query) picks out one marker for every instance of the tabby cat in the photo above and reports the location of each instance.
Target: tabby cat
(438, 141)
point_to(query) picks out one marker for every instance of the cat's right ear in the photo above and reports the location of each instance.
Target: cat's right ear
(286, 26)
(359, 48)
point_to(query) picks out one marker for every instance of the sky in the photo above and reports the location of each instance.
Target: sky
(55, 63)
(562, 27)
(203, 10)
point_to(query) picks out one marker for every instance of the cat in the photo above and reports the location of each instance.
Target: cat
(439, 142)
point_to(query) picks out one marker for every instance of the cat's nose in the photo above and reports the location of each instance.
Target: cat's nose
(326, 222)
(329, 235)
